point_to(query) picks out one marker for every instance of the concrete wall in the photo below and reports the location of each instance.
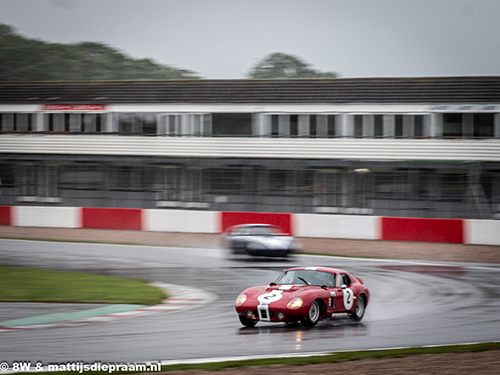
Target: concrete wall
(483, 232)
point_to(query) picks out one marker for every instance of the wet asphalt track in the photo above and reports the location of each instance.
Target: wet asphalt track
(430, 305)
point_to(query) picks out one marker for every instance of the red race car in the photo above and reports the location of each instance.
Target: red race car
(305, 294)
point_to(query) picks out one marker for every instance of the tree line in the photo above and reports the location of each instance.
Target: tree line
(24, 59)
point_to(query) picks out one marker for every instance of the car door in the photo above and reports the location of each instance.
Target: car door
(333, 302)
(344, 294)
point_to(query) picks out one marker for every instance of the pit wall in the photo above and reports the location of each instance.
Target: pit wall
(480, 232)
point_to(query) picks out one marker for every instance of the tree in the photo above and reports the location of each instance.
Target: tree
(281, 65)
(23, 59)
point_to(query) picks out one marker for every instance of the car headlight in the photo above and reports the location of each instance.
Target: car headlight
(240, 300)
(295, 303)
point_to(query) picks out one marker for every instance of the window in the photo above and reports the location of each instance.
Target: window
(453, 187)
(418, 124)
(17, 122)
(452, 125)
(172, 124)
(26, 180)
(294, 125)
(391, 185)
(197, 124)
(328, 189)
(398, 126)
(312, 126)
(226, 181)
(484, 125)
(82, 177)
(331, 126)
(130, 123)
(168, 184)
(378, 131)
(275, 126)
(279, 182)
(232, 124)
(7, 175)
(358, 126)
(191, 185)
(36, 181)
(125, 178)
(93, 123)
(75, 122)
(149, 123)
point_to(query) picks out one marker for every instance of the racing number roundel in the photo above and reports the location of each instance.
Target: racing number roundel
(348, 298)
(273, 296)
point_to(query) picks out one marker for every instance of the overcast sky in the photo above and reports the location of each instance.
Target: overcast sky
(225, 38)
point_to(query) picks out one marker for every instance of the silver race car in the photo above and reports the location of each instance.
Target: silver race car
(260, 240)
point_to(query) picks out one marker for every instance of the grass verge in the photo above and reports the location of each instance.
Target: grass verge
(33, 285)
(337, 357)
(302, 361)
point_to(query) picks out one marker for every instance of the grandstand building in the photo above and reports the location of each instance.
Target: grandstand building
(380, 147)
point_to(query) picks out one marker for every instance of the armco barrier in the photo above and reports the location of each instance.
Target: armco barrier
(284, 221)
(112, 218)
(422, 230)
(481, 232)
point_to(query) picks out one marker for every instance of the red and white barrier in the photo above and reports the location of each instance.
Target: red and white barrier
(185, 221)
(422, 230)
(481, 232)
(41, 216)
(337, 226)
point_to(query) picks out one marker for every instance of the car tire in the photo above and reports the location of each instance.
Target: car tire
(313, 315)
(359, 309)
(247, 322)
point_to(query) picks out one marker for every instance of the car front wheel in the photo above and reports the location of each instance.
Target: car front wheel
(313, 316)
(247, 322)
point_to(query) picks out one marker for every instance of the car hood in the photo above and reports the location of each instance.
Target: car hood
(271, 241)
(286, 291)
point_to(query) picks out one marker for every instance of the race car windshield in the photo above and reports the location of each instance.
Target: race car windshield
(307, 277)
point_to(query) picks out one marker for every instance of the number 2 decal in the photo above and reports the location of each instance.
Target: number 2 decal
(267, 298)
(348, 298)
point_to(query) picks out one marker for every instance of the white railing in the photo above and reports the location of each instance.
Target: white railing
(290, 148)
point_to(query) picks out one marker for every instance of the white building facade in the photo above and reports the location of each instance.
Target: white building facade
(412, 148)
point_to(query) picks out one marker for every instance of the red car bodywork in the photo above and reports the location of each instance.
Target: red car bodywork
(336, 298)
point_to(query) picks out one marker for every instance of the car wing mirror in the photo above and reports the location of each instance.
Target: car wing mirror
(344, 286)
(273, 284)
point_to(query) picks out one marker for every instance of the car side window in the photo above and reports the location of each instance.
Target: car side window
(344, 279)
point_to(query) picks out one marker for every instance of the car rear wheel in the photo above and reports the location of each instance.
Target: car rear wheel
(313, 316)
(359, 309)
(247, 322)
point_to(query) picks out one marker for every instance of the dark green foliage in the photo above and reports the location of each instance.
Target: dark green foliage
(23, 59)
(281, 65)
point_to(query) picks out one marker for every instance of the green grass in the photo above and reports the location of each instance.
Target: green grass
(337, 357)
(329, 358)
(32, 285)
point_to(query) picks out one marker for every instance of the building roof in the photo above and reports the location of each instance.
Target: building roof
(435, 90)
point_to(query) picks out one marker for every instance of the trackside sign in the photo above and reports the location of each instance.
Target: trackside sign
(73, 107)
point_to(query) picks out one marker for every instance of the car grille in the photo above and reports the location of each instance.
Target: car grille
(264, 313)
